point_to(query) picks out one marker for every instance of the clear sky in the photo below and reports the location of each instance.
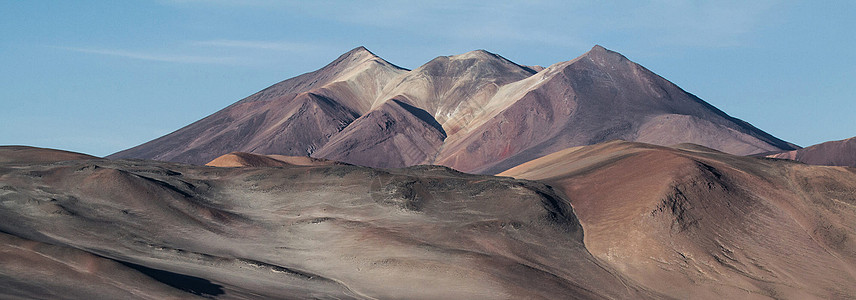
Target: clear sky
(101, 76)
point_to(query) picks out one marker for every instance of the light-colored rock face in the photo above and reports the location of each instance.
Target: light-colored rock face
(455, 89)
(697, 223)
(494, 114)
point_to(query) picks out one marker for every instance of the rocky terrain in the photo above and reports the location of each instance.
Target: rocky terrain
(616, 220)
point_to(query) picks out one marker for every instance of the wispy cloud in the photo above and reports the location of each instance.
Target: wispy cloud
(259, 45)
(562, 23)
(161, 57)
(254, 3)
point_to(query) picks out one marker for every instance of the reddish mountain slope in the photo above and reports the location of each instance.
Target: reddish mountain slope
(596, 97)
(832, 153)
(691, 222)
(394, 135)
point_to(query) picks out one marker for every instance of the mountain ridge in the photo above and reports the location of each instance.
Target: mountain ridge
(489, 107)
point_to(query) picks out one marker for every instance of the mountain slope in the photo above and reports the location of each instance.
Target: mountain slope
(296, 127)
(153, 230)
(455, 89)
(395, 135)
(354, 79)
(832, 153)
(596, 97)
(692, 222)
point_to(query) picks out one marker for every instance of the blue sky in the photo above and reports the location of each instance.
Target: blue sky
(101, 76)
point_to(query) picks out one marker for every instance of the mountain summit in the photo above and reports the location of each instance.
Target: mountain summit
(475, 112)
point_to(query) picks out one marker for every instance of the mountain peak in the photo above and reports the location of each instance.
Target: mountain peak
(357, 54)
(598, 48)
(600, 51)
(477, 54)
(361, 50)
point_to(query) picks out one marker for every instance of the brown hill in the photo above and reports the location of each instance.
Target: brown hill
(493, 114)
(832, 153)
(692, 222)
(243, 159)
(157, 230)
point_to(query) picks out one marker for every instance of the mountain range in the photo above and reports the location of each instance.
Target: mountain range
(469, 177)
(476, 112)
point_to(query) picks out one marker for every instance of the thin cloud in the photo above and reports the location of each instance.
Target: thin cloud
(259, 45)
(251, 3)
(559, 23)
(160, 57)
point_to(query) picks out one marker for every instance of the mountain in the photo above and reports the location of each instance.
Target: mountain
(477, 112)
(691, 222)
(832, 153)
(134, 229)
